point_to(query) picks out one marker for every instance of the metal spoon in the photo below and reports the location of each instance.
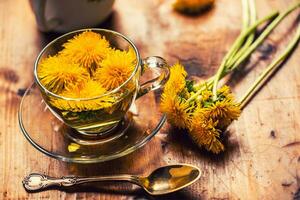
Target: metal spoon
(163, 180)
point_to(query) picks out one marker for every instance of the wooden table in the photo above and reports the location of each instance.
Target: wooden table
(262, 160)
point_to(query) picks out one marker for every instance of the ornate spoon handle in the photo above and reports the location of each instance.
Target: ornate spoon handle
(37, 181)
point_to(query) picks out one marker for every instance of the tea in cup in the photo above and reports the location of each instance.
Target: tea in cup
(89, 78)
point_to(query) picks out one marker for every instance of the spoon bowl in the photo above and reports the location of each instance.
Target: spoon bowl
(170, 178)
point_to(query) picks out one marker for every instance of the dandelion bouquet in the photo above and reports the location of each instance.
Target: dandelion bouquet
(205, 109)
(80, 76)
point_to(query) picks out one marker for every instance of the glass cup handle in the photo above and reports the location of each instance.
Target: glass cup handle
(157, 66)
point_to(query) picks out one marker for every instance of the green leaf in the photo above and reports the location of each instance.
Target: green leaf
(190, 85)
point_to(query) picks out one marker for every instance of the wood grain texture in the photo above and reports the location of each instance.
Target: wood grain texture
(262, 160)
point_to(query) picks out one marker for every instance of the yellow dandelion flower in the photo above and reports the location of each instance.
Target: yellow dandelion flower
(192, 6)
(206, 95)
(115, 69)
(225, 109)
(204, 132)
(224, 91)
(178, 112)
(57, 74)
(176, 82)
(89, 90)
(86, 49)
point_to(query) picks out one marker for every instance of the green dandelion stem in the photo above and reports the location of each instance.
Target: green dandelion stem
(246, 23)
(237, 44)
(207, 82)
(239, 40)
(200, 88)
(224, 69)
(263, 35)
(270, 69)
(250, 39)
(246, 14)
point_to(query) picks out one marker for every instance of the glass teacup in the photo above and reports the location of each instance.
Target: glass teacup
(100, 115)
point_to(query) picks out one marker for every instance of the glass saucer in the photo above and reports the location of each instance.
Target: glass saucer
(52, 137)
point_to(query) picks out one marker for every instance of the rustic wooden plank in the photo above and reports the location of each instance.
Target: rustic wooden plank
(263, 155)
